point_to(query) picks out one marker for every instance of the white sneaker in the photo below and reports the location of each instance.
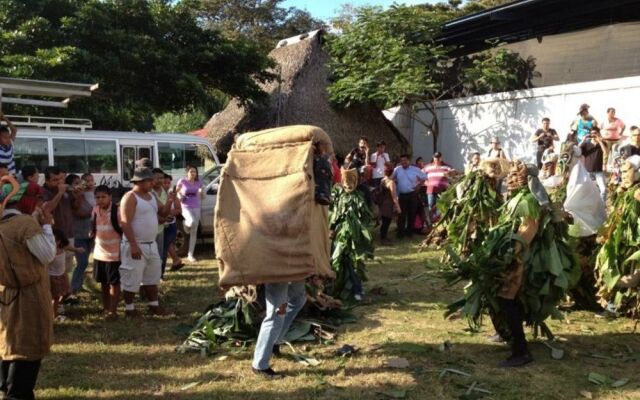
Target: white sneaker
(191, 259)
(358, 297)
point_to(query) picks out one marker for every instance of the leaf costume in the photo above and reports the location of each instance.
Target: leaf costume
(469, 209)
(526, 257)
(618, 261)
(350, 219)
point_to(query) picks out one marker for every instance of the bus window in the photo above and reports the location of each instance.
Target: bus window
(174, 157)
(128, 162)
(31, 151)
(80, 156)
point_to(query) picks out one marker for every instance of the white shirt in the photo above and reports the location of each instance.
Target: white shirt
(379, 160)
(145, 220)
(43, 246)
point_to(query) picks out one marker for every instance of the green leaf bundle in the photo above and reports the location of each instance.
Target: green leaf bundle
(350, 218)
(619, 255)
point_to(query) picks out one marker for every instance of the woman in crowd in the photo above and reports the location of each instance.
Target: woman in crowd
(388, 202)
(189, 191)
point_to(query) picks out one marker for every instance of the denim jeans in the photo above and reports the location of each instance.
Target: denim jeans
(275, 326)
(356, 282)
(82, 260)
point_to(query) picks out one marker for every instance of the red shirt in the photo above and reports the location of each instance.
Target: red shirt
(437, 180)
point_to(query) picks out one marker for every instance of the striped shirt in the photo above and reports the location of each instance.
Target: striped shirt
(437, 179)
(107, 247)
(6, 157)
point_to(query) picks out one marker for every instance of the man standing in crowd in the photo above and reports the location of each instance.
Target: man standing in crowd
(612, 131)
(408, 179)
(27, 246)
(543, 138)
(437, 181)
(632, 148)
(582, 126)
(474, 164)
(163, 197)
(140, 268)
(358, 157)
(82, 230)
(378, 161)
(593, 148)
(8, 134)
(496, 150)
(62, 203)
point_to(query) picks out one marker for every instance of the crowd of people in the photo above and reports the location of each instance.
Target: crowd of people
(409, 190)
(53, 229)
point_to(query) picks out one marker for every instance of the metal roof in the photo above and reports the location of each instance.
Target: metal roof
(525, 19)
(26, 89)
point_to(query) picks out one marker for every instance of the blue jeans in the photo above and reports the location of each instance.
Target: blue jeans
(275, 325)
(432, 199)
(82, 260)
(356, 282)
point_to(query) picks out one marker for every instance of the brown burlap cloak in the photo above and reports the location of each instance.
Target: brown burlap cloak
(268, 227)
(26, 324)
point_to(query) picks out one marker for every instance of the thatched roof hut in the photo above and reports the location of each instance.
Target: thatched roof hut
(300, 97)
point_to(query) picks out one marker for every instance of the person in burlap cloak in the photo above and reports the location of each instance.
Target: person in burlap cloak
(269, 229)
(27, 246)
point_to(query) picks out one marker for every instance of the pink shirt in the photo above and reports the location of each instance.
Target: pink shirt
(437, 179)
(612, 130)
(107, 241)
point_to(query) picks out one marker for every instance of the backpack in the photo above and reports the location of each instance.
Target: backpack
(114, 222)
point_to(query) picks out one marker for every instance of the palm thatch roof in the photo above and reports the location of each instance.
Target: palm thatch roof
(300, 96)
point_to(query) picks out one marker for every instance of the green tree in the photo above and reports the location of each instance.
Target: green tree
(392, 57)
(264, 22)
(180, 122)
(149, 57)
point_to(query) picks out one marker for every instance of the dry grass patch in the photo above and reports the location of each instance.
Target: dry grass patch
(125, 359)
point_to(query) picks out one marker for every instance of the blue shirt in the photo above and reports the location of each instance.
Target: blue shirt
(407, 179)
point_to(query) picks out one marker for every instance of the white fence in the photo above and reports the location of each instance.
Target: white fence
(467, 124)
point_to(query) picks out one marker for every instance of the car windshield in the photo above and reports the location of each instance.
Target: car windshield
(210, 175)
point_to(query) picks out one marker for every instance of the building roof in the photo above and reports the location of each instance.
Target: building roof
(299, 97)
(525, 19)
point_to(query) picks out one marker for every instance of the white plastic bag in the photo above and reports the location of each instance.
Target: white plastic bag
(584, 203)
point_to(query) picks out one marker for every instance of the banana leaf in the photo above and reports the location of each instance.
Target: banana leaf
(619, 255)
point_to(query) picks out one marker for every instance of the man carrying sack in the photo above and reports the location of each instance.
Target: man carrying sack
(269, 229)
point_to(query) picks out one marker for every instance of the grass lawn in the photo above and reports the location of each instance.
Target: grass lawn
(93, 359)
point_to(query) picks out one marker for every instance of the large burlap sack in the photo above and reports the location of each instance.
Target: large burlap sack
(268, 227)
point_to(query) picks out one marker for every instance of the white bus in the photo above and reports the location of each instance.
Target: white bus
(110, 156)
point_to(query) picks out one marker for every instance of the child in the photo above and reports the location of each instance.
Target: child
(58, 278)
(9, 187)
(8, 134)
(106, 254)
(322, 174)
(30, 174)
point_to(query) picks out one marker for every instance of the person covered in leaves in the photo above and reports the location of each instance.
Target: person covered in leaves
(617, 263)
(350, 218)
(470, 207)
(528, 254)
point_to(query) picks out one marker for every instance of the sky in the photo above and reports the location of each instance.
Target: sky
(325, 9)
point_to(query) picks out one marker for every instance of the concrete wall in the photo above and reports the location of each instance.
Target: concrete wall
(467, 124)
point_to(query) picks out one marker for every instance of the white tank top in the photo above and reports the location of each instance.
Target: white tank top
(145, 220)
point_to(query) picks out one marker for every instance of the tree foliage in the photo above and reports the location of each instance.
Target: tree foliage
(149, 57)
(393, 57)
(264, 22)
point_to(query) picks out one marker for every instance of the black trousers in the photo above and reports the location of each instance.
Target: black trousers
(18, 378)
(408, 208)
(515, 318)
(384, 228)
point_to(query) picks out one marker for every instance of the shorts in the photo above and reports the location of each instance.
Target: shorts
(59, 286)
(106, 272)
(146, 271)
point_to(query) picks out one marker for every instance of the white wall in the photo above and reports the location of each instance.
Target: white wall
(467, 124)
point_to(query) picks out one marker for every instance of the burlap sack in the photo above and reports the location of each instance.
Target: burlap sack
(268, 227)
